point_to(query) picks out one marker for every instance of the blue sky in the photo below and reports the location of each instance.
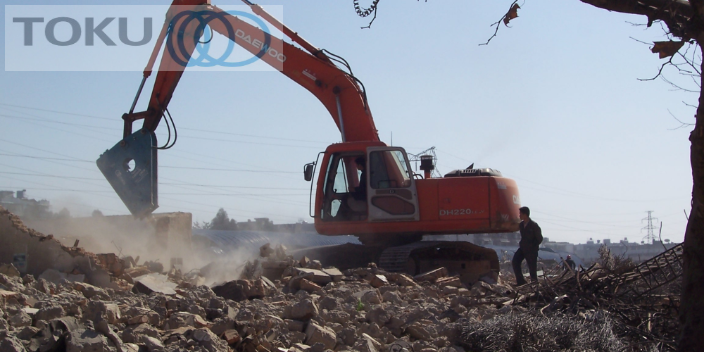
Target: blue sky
(553, 102)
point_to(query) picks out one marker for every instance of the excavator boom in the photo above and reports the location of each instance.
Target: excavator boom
(339, 91)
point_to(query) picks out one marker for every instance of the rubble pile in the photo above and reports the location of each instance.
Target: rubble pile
(282, 304)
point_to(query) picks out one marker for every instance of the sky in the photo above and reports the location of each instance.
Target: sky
(553, 102)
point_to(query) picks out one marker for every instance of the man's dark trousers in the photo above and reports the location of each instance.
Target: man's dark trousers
(531, 258)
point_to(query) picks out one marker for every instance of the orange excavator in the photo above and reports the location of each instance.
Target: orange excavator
(364, 187)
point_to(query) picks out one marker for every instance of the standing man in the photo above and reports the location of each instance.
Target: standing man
(531, 237)
(570, 263)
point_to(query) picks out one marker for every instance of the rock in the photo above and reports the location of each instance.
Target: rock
(392, 297)
(207, 339)
(221, 325)
(90, 291)
(405, 280)
(153, 344)
(20, 319)
(371, 344)
(241, 290)
(97, 309)
(27, 333)
(378, 316)
(83, 340)
(231, 336)
(449, 281)
(328, 303)
(319, 334)
(309, 286)
(448, 290)
(418, 331)
(378, 281)
(11, 344)
(431, 275)
(132, 333)
(348, 336)
(369, 297)
(303, 310)
(50, 313)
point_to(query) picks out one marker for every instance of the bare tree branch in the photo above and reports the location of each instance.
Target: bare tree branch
(498, 23)
(682, 124)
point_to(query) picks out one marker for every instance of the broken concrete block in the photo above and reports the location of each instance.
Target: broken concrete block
(97, 309)
(20, 319)
(153, 344)
(431, 275)
(314, 275)
(309, 286)
(83, 340)
(418, 331)
(207, 339)
(379, 316)
(315, 264)
(369, 296)
(154, 282)
(405, 280)
(90, 291)
(241, 290)
(303, 310)
(334, 273)
(27, 333)
(319, 334)
(231, 336)
(50, 313)
(11, 344)
(132, 333)
(449, 281)
(378, 281)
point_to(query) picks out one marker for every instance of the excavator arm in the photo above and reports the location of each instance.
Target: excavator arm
(312, 68)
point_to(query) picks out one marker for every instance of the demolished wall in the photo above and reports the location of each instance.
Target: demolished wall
(43, 252)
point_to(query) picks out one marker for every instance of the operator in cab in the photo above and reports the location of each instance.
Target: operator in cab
(357, 202)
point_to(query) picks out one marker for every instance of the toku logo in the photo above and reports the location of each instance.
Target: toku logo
(90, 28)
(179, 24)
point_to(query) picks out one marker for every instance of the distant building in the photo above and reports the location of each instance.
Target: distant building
(18, 204)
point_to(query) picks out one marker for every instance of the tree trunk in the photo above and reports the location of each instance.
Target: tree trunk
(692, 308)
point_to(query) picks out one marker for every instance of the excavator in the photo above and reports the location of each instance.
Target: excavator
(364, 187)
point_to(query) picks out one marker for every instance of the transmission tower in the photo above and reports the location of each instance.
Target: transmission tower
(415, 158)
(650, 236)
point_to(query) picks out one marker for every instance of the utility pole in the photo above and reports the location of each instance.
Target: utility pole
(650, 237)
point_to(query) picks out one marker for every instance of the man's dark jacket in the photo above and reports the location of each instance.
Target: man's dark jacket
(531, 237)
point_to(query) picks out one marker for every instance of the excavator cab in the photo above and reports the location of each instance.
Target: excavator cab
(364, 183)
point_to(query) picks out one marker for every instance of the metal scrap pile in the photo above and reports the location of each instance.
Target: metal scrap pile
(639, 302)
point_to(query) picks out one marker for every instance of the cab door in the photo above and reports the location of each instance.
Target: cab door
(391, 189)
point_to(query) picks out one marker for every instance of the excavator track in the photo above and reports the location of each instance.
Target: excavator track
(469, 261)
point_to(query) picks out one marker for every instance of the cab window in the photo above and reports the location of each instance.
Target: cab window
(389, 169)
